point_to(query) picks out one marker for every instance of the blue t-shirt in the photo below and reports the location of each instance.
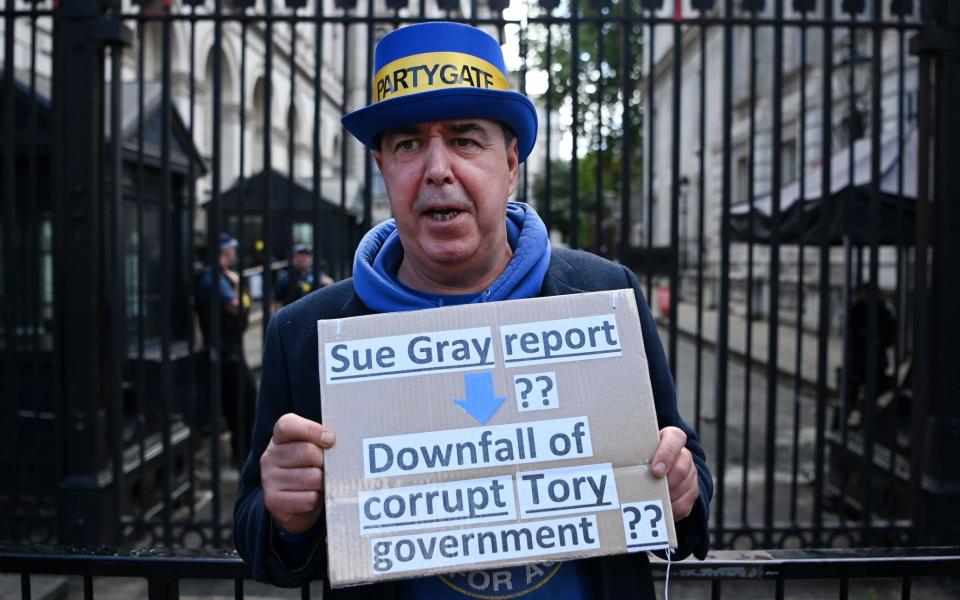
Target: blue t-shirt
(539, 581)
(224, 287)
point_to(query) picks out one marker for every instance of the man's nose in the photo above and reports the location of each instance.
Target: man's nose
(438, 171)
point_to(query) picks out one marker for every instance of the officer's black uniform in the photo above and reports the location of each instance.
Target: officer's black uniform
(238, 391)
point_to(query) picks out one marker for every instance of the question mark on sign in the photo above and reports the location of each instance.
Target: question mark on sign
(657, 515)
(547, 386)
(643, 533)
(544, 383)
(527, 388)
(632, 523)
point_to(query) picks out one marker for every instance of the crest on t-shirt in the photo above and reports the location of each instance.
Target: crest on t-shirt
(500, 584)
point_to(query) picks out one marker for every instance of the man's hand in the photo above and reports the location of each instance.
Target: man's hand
(675, 461)
(291, 471)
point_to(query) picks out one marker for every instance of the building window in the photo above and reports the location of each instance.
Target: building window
(788, 162)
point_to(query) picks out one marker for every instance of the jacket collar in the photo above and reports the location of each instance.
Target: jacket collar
(557, 280)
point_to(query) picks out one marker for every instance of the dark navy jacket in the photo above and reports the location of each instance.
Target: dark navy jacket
(290, 362)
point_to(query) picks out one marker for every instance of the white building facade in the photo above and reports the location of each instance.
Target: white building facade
(800, 140)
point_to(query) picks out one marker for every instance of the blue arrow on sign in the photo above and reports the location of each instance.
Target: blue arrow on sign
(481, 402)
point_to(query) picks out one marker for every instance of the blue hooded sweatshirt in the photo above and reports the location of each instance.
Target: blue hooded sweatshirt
(380, 253)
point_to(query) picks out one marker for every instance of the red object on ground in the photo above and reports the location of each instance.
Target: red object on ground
(663, 300)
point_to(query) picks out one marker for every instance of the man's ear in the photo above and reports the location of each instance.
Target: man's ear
(378, 158)
(513, 164)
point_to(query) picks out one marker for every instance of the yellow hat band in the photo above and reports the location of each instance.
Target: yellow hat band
(436, 71)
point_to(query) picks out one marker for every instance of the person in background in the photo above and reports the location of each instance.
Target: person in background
(859, 348)
(238, 391)
(298, 281)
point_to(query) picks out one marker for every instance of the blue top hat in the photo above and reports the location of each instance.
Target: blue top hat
(438, 71)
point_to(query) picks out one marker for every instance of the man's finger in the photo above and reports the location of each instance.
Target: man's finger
(681, 469)
(683, 506)
(672, 441)
(294, 428)
(684, 494)
(305, 479)
(292, 455)
(288, 504)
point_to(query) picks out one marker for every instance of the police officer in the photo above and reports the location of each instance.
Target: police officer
(237, 388)
(298, 281)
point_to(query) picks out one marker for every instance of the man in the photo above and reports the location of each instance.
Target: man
(860, 347)
(297, 281)
(237, 388)
(448, 136)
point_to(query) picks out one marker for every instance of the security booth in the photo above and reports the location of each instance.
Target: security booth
(157, 281)
(291, 209)
(144, 246)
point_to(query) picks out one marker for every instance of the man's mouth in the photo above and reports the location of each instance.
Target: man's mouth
(443, 214)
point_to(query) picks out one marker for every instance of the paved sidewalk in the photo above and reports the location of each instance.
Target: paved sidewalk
(786, 343)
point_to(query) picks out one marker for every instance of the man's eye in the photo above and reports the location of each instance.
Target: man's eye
(464, 142)
(407, 145)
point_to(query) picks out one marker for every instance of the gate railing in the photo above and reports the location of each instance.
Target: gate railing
(725, 573)
(775, 172)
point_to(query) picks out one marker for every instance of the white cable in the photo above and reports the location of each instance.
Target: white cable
(666, 580)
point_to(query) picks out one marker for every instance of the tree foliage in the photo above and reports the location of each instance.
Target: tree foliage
(600, 69)
(560, 195)
(601, 119)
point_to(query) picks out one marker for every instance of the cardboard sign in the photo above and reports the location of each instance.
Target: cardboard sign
(489, 435)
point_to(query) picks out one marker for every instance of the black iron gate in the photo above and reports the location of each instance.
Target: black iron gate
(776, 172)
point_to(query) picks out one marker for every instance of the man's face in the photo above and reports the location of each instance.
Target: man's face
(302, 261)
(228, 257)
(448, 184)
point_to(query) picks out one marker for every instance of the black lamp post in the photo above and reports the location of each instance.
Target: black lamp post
(853, 77)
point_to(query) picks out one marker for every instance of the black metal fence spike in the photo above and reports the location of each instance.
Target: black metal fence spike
(549, 4)
(345, 4)
(901, 8)
(397, 4)
(294, 4)
(599, 5)
(498, 6)
(651, 4)
(853, 7)
(702, 5)
(242, 4)
(753, 5)
(448, 4)
(194, 3)
(803, 6)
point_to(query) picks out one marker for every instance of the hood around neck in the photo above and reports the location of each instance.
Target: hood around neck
(380, 253)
